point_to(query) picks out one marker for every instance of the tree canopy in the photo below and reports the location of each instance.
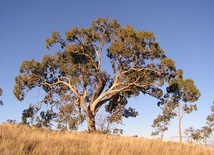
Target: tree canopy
(75, 78)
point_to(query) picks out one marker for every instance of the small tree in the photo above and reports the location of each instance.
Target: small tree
(103, 124)
(77, 75)
(193, 135)
(201, 135)
(161, 123)
(106, 125)
(1, 103)
(178, 99)
(210, 118)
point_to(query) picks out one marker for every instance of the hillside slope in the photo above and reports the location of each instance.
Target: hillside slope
(22, 140)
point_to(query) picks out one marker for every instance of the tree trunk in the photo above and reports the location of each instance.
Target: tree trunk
(180, 131)
(91, 122)
(179, 122)
(162, 134)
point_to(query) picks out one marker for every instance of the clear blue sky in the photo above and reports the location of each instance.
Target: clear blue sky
(184, 29)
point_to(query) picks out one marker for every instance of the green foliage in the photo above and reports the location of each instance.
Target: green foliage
(69, 117)
(180, 90)
(184, 90)
(74, 74)
(1, 91)
(193, 135)
(28, 113)
(210, 118)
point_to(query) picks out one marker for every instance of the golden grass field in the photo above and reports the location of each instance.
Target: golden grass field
(23, 140)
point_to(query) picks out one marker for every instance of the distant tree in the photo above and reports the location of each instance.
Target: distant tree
(11, 121)
(161, 123)
(201, 135)
(1, 102)
(178, 101)
(210, 118)
(77, 74)
(193, 134)
(105, 125)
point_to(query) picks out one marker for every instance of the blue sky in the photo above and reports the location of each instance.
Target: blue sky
(183, 28)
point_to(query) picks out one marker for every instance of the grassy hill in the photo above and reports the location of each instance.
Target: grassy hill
(22, 140)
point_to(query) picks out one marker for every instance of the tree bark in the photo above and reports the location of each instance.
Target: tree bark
(179, 122)
(162, 133)
(180, 131)
(91, 122)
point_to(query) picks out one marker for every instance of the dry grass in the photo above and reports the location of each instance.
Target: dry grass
(22, 140)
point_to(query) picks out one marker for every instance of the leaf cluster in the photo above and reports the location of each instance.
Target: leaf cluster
(180, 90)
(184, 90)
(117, 108)
(69, 118)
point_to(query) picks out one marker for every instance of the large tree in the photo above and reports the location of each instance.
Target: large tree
(76, 76)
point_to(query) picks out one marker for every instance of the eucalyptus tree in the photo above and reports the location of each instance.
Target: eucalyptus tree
(103, 65)
(1, 102)
(206, 131)
(181, 93)
(161, 123)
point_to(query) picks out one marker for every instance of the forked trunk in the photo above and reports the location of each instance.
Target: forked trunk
(91, 122)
